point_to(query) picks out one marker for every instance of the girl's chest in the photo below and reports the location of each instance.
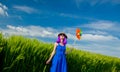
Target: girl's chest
(61, 48)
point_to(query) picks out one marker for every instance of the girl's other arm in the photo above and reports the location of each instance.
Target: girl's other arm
(52, 54)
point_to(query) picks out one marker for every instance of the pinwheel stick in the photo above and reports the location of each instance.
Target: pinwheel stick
(72, 46)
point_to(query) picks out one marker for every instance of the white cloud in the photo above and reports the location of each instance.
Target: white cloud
(11, 27)
(90, 37)
(69, 15)
(3, 10)
(98, 32)
(19, 29)
(75, 16)
(35, 31)
(26, 9)
(101, 25)
(97, 2)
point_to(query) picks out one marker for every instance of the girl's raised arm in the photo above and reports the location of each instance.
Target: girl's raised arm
(52, 54)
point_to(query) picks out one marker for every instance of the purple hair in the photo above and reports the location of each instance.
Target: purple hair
(64, 40)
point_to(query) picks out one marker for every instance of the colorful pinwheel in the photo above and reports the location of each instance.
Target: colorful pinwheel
(78, 33)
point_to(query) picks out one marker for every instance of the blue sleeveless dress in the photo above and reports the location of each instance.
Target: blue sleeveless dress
(59, 63)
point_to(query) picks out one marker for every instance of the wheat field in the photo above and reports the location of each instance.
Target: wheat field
(21, 54)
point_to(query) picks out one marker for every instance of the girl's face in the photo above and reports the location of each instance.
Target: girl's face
(62, 37)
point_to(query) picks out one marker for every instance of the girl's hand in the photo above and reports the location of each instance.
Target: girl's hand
(48, 62)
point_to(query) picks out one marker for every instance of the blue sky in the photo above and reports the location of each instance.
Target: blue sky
(44, 19)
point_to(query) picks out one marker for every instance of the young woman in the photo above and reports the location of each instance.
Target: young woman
(58, 55)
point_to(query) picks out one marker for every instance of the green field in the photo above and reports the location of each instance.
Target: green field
(21, 54)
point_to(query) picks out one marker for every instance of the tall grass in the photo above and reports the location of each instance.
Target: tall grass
(20, 54)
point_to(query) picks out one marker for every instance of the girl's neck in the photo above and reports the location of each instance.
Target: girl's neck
(61, 42)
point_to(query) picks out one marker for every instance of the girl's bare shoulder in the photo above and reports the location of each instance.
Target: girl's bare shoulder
(55, 43)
